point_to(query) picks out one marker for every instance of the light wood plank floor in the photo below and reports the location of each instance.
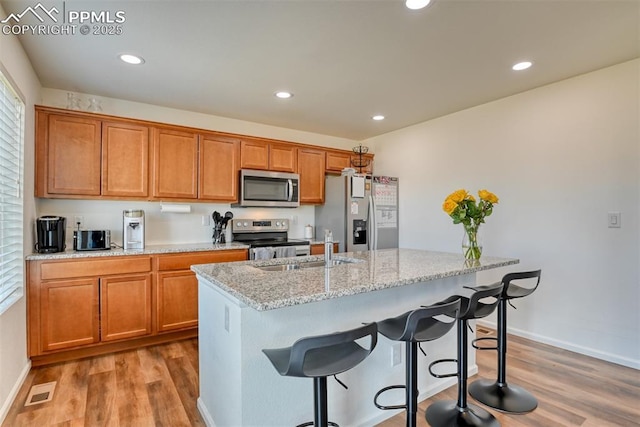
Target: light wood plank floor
(158, 386)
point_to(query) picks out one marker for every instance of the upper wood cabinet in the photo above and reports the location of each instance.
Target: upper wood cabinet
(175, 164)
(82, 155)
(68, 156)
(219, 166)
(265, 155)
(125, 160)
(311, 166)
(336, 161)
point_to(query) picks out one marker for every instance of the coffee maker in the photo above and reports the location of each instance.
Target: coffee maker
(50, 234)
(133, 229)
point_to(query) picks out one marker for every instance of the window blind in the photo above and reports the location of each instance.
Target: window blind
(11, 197)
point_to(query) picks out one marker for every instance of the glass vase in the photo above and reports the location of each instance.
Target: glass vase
(471, 243)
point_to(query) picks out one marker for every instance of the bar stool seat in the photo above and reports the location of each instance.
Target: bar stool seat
(498, 394)
(448, 413)
(414, 327)
(321, 356)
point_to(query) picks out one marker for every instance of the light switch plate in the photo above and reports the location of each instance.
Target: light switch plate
(614, 220)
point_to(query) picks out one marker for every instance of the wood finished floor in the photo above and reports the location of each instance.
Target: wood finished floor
(158, 386)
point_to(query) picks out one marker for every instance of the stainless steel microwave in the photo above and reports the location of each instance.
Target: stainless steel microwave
(268, 189)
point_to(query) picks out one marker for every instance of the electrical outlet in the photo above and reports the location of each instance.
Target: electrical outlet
(205, 220)
(78, 222)
(396, 354)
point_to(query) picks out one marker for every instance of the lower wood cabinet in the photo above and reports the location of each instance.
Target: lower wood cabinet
(69, 314)
(88, 306)
(318, 248)
(125, 307)
(177, 286)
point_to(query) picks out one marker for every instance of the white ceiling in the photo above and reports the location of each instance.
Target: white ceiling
(345, 60)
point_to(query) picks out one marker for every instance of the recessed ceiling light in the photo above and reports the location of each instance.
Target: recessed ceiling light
(378, 117)
(521, 66)
(417, 4)
(131, 59)
(283, 95)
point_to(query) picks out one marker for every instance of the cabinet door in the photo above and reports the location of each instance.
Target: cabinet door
(125, 159)
(318, 248)
(125, 307)
(73, 155)
(219, 166)
(337, 161)
(177, 294)
(254, 155)
(69, 313)
(175, 164)
(311, 169)
(283, 158)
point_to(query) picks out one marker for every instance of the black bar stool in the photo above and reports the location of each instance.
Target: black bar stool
(320, 356)
(447, 413)
(498, 394)
(414, 327)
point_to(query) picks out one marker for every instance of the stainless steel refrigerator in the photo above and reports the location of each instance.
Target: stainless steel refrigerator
(361, 211)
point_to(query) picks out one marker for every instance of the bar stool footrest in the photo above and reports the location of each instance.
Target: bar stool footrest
(388, 407)
(477, 347)
(437, 362)
(310, 423)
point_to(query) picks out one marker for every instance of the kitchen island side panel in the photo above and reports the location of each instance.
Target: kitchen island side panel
(256, 395)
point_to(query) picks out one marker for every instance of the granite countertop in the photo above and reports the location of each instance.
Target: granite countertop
(148, 250)
(369, 271)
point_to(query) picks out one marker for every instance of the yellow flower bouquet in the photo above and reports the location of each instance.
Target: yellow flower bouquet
(463, 208)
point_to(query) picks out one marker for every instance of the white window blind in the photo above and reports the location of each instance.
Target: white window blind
(11, 197)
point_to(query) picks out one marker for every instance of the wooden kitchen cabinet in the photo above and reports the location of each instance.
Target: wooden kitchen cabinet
(311, 167)
(219, 165)
(175, 164)
(336, 161)
(318, 248)
(265, 155)
(125, 160)
(177, 286)
(69, 314)
(68, 155)
(125, 306)
(283, 158)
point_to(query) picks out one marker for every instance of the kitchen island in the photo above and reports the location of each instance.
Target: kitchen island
(247, 306)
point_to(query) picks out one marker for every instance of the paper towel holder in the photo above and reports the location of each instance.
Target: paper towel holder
(175, 208)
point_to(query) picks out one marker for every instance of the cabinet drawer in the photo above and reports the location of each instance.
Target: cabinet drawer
(94, 267)
(184, 261)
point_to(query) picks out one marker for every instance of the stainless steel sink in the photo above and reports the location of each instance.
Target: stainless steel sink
(305, 264)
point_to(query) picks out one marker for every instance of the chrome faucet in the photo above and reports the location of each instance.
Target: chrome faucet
(328, 248)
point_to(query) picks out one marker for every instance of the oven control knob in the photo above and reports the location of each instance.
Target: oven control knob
(246, 224)
(277, 223)
(238, 224)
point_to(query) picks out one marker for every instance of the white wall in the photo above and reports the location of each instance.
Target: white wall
(560, 157)
(14, 364)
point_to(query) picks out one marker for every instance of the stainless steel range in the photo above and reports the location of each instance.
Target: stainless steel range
(268, 238)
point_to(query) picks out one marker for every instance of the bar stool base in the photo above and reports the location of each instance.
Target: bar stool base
(506, 398)
(446, 413)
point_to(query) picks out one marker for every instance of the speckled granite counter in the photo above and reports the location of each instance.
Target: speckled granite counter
(243, 309)
(369, 271)
(148, 250)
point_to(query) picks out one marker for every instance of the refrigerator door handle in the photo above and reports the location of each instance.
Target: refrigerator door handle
(373, 230)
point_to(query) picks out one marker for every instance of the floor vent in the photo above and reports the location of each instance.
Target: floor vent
(484, 330)
(40, 393)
